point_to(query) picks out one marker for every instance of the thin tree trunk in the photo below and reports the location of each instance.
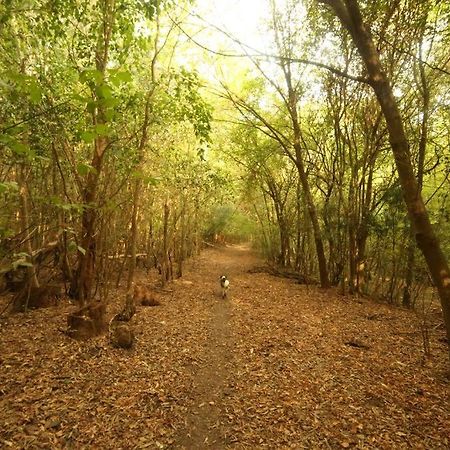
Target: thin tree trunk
(351, 230)
(133, 238)
(322, 262)
(407, 301)
(292, 104)
(182, 245)
(137, 191)
(298, 254)
(165, 263)
(32, 280)
(363, 229)
(350, 16)
(84, 278)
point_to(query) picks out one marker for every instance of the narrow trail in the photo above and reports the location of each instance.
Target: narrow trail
(204, 427)
(275, 365)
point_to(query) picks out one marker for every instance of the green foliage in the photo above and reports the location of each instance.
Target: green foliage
(185, 103)
(8, 187)
(227, 221)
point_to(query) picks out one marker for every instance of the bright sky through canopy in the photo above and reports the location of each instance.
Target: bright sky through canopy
(243, 19)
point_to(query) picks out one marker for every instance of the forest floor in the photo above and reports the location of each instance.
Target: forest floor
(275, 365)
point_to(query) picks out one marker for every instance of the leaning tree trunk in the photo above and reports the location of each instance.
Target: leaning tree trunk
(312, 211)
(349, 14)
(410, 266)
(292, 104)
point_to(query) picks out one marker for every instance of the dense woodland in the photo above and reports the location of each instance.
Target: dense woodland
(134, 134)
(115, 153)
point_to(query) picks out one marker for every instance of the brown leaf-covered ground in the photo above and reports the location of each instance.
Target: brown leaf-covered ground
(276, 365)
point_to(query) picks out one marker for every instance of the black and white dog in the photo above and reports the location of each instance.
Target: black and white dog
(224, 283)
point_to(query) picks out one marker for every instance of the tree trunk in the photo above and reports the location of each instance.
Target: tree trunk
(165, 263)
(133, 238)
(322, 262)
(363, 228)
(283, 258)
(350, 16)
(182, 245)
(84, 277)
(137, 191)
(291, 101)
(32, 280)
(410, 265)
(352, 224)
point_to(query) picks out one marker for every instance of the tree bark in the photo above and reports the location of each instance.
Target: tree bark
(410, 265)
(349, 14)
(165, 262)
(321, 260)
(284, 44)
(137, 190)
(84, 277)
(32, 280)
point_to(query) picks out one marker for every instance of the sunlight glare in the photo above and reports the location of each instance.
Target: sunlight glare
(241, 19)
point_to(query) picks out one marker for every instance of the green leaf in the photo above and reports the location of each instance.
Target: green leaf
(104, 91)
(35, 93)
(121, 77)
(87, 136)
(91, 105)
(83, 169)
(109, 114)
(109, 102)
(91, 75)
(101, 129)
(19, 148)
(81, 98)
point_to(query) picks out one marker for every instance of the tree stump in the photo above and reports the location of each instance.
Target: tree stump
(87, 321)
(14, 280)
(120, 334)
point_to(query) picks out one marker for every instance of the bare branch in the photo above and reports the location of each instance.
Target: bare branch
(254, 53)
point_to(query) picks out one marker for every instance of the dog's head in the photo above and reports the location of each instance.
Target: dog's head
(224, 282)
